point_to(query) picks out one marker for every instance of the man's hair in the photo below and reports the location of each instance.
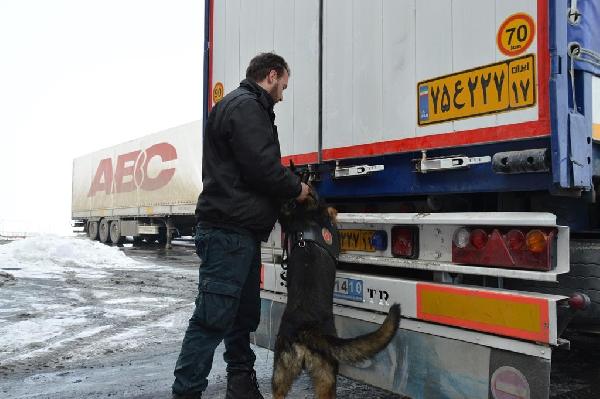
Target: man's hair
(261, 65)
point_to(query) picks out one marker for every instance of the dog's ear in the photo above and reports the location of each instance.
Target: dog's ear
(332, 214)
(292, 166)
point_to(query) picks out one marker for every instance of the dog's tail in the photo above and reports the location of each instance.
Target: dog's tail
(353, 350)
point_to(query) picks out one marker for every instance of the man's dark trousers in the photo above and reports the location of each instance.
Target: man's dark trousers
(227, 307)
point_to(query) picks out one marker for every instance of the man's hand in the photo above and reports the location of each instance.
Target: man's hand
(304, 193)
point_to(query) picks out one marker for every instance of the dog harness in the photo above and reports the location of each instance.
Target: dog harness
(324, 236)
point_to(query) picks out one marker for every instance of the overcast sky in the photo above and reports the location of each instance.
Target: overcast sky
(80, 75)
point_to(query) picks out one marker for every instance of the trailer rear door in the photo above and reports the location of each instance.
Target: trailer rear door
(396, 75)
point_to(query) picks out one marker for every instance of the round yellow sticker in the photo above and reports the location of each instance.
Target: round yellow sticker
(218, 92)
(516, 34)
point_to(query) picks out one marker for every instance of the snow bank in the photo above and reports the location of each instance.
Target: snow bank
(51, 256)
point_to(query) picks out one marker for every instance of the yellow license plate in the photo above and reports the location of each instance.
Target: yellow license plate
(357, 240)
(501, 87)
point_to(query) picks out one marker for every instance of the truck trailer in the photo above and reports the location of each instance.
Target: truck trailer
(460, 142)
(145, 189)
(459, 139)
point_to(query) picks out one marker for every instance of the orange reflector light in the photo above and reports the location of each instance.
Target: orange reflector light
(536, 241)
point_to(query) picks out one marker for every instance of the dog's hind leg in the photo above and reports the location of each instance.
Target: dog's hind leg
(287, 367)
(323, 373)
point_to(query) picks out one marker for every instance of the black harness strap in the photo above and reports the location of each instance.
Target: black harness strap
(326, 237)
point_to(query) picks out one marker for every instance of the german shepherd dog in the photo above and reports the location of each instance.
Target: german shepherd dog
(307, 337)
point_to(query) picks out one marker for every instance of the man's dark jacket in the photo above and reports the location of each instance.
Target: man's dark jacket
(244, 182)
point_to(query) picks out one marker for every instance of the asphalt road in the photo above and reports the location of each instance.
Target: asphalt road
(118, 333)
(113, 332)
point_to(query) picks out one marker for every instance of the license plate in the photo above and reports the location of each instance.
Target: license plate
(501, 87)
(348, 289)
(357, 240)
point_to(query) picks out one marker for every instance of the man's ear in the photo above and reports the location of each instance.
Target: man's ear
(273, 75)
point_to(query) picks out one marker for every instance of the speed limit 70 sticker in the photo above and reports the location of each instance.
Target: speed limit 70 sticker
(516, 34)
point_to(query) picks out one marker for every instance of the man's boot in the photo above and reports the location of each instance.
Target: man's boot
(242, 385)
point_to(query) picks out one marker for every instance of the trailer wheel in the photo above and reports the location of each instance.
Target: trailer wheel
(93, 230)
(103, 231)
(115, 232)
(583, 277)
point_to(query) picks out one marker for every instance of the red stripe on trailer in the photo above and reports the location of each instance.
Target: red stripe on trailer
(211, 43)
(484, 135)
(300, 159)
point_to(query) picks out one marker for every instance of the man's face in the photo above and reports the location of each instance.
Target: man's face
(278, 84)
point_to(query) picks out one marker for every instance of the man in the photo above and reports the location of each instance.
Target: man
(244, 185)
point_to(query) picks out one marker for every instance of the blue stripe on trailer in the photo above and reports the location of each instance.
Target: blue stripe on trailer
(399, 178)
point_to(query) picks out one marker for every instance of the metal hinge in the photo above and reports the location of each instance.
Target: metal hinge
(425, 165)
(354, 171)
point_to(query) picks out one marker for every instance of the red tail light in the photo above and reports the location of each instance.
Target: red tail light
(405, 242)
(478, 238)
(515, 240)
(522, 248)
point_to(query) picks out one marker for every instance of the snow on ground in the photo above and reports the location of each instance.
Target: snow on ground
(61, 257)
(65, 299)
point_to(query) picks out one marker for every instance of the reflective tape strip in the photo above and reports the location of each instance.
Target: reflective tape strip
(522, 316)
(512, 315)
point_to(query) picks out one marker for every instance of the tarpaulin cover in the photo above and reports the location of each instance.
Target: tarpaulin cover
(587, 32)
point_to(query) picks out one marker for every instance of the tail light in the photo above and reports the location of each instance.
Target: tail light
(461, 238)
(478, 238)
(536, 241)
(522, 248)
(515, 240)
(405, 242)
(379, 240)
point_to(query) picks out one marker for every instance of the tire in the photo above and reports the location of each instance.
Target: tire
(93, 230)
(115, 232)
(103, 231)
(584, 277)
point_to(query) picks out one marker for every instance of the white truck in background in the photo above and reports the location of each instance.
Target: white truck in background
(145, 188)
